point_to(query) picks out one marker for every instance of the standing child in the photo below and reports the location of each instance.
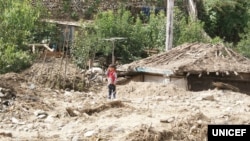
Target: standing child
(112, 78)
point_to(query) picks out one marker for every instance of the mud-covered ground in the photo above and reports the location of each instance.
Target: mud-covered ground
(142, 111)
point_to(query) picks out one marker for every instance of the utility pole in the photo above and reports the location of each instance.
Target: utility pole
(192, 10)
(169, 25)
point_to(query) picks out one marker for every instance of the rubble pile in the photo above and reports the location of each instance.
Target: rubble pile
(7, 97)
(61, 74)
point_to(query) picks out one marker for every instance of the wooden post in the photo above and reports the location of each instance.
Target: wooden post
(113, 39)
(33, 49)
(113, 52)
(90, 63)
(169, 25)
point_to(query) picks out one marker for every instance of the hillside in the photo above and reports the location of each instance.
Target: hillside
(84, 9)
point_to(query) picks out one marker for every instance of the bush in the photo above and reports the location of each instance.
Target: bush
(13, 60)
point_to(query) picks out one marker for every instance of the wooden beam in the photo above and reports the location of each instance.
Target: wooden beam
(40, 45)
(225, 86)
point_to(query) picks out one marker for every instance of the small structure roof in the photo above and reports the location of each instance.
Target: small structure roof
(71, 23)
(192, 58)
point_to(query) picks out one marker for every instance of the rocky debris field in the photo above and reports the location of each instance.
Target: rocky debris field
(142, 111)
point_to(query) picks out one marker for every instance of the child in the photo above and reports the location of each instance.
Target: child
(112, 78)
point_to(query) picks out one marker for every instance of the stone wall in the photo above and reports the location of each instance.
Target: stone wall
(76, 9)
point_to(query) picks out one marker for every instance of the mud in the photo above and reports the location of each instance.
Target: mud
(142, 111)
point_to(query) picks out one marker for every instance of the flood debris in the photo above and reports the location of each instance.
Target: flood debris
(148, 133)
(6, 134)
(193, 66)
(32, 106)
(167, 120)
(59, 74)
(100, 108)
(225, 86)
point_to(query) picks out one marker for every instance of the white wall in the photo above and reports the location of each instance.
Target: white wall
(138, 78)
(154, 78)
(180, 82)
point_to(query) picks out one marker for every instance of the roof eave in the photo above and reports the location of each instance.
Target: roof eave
(165, 72)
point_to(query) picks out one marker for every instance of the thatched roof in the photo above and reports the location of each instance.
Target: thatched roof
(193, 58)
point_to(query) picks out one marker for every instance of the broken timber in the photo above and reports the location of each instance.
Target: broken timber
(46, 46)
(90, 111)
(225, 86)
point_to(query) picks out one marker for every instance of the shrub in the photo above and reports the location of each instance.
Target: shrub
(12, 59)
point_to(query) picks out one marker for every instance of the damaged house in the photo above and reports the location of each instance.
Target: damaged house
(193, 66)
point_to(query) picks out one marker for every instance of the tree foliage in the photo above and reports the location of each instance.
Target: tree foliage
(84, 47)
(18, 19)
(244, 45)
(12, 59)
(140, 35)
(225, 19)
(186, 30)
(222, 20)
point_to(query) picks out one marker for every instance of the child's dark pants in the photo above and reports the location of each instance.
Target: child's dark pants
(112, 90)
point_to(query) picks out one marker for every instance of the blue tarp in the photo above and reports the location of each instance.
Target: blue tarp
(146, 11)
(153, 70)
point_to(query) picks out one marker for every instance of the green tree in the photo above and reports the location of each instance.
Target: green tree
(18, 19)
(83, 50)
(226, 19)
(244, 45)
(186, 30)
(139, 35)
